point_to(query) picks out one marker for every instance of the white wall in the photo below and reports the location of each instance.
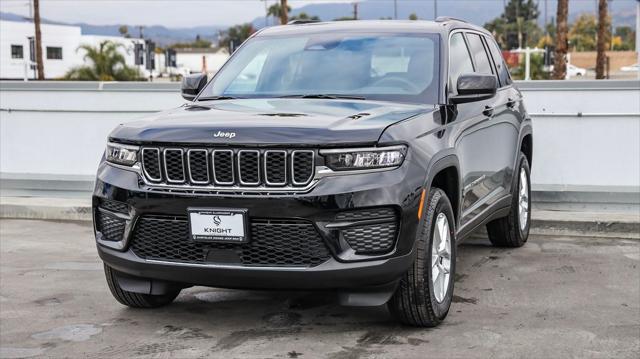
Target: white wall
(64, 131)
(16, 33)
(193, 61)
(67, 37)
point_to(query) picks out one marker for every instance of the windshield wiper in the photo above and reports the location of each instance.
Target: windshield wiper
(211, 98)
(326, 96)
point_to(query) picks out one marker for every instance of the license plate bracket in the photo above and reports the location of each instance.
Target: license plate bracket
(222, 225)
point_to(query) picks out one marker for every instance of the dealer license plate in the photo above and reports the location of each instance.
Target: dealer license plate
(218, 225)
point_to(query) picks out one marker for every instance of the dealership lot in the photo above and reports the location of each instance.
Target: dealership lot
(555, 297)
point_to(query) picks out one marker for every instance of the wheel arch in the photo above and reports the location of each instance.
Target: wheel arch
(444, 173)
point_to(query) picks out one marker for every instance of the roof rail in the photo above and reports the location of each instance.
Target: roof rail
(301, 21)
(448, 18)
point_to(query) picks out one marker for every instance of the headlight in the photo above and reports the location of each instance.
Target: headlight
(364, 158)
(122, 154)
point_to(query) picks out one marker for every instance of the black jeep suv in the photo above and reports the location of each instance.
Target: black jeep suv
(348, 156)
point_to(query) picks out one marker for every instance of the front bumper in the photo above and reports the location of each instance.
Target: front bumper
(344, 269)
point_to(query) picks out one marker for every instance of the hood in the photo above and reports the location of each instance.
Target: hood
(271, 121)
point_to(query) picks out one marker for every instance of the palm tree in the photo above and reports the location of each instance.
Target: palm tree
(275, 11)
(602, 40)
(560, 57)
(107, 65)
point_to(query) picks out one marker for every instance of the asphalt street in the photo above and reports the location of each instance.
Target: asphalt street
(557, 297)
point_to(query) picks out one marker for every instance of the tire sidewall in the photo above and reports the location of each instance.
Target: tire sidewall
(522, 233)
(442, 205)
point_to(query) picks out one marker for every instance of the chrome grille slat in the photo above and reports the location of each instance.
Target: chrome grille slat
(198, 171)
(223, 168)
(232, 169)
(151, 164)
(275, 167)
(248, 167)
(302, 170)
(174, 165)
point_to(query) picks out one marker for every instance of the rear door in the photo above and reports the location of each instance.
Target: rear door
(508, 115)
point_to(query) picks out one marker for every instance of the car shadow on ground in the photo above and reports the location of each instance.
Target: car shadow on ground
(200, 313)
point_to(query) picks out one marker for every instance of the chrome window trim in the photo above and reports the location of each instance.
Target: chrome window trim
(313, 167)
(164, 155)
(266, 173)
(213, 165)
(206, 158)
(144, 169)
(238, 157)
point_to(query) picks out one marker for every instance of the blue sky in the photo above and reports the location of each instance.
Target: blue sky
(171, 13)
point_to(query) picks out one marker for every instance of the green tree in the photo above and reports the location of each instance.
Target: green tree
(107, 64)
(275, 10)
(124, 31)
(584, 31)
(537, 71)
(517, 25)
(413, 16)
(625, 38)
(344, 18)
(236, 35)
(197, 43)
(304, 16)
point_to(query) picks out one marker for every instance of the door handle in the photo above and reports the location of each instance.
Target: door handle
(511, 103)
(488, 111)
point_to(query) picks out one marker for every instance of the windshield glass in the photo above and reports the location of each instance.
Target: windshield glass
(385, 66)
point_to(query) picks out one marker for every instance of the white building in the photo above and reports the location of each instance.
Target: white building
(193, 60)
(59, 48)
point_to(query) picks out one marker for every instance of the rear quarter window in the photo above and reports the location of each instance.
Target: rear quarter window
(501, 66)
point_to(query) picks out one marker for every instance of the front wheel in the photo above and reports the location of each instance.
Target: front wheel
(513, 230)
(136, 300)
(424, 294)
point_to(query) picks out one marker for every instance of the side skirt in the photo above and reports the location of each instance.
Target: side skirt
(499, 209)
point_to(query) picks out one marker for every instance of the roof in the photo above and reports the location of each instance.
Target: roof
(442, 26)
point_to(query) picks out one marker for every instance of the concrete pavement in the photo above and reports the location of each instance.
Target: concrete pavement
(555, 297)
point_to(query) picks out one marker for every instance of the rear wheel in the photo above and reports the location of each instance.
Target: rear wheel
(136, 300)
(424, 294)
(513, 230)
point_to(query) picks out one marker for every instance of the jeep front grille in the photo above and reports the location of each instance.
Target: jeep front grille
(243, 168)
(273, 243)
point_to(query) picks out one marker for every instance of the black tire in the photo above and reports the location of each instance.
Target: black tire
(506, 231)
(414, 302)
(136, 300)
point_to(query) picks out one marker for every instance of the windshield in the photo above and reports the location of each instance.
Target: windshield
(385, 66)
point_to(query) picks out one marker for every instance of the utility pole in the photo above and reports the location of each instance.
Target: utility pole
(395, 9)
(266, 14)
(284, 16)
(435, 9)
(355, 11)
(546, 32)
(601, 44)
(36, 21)
(638, 32)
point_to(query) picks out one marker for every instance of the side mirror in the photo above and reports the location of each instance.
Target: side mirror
(192, 85)
(475, 87)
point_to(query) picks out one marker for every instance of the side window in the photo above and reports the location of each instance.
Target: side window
(17, 52)
(480, 57)
(54, 53)
(501, 66)
(459, 60)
